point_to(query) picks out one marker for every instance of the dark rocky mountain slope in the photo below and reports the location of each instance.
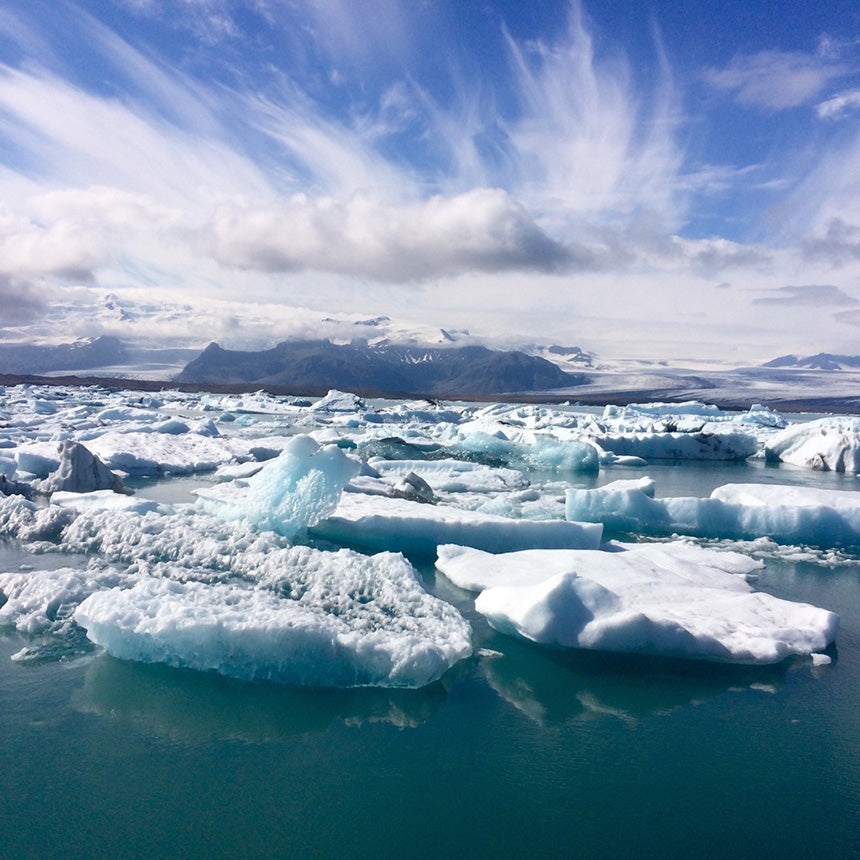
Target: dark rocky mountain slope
(463, 370)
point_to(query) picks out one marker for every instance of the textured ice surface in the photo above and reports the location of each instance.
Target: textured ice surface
(667, 599)
(288, 494)
(329, 619)
(454, 476)
(156, 454)
(796, 515)
(22, 520)
(376, 523)
(42, 600)
(829, 444)
(338, 401)
(669, 445)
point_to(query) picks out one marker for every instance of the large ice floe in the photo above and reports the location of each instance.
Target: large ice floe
(264, 576)
(786, 514)
(668, 599)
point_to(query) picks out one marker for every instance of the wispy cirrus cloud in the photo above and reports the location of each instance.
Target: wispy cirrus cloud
(777, 80)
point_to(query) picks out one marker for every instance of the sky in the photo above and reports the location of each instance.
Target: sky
(642, 178)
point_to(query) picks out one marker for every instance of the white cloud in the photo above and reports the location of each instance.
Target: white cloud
(837, 106)
(483, 230)
(776, 80)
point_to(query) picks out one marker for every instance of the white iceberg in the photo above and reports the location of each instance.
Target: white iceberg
(378, 523)
(669, 599)
(786, 514)
(326, 619)
(156, 454)
(454, 476)
(828, 444)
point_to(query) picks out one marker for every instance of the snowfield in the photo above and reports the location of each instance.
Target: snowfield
(272, 539)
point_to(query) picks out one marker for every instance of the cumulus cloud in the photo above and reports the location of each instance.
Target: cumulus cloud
(776, 80)
(482, 230)
(814, 295)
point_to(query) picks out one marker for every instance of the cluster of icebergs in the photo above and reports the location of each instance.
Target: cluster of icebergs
(293, 562)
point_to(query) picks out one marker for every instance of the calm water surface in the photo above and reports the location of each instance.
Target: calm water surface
(518, 752)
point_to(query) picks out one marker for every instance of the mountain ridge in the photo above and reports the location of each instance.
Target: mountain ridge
(454, 370)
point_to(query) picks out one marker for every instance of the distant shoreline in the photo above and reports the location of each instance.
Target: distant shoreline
(840, 405)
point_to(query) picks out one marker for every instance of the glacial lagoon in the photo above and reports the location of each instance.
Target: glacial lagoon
(516, 750)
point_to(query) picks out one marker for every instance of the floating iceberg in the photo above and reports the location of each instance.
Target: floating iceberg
(454, 476)
(79, 471)
(327, 619)
(288, 494)
(157, 454)
(377, 523)
(790, 515)
(668, 599)
(829, 444)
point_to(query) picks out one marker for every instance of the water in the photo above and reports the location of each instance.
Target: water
(518, 752)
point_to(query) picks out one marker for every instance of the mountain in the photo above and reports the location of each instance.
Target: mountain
(465, 370)
(82, 354)
(821, 361)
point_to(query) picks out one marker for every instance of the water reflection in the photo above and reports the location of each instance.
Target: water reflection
(553, 687)
(196, 707)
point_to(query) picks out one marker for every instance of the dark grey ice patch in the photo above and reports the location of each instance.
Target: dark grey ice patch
(808, 294)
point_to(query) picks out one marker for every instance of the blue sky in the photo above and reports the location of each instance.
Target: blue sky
(649, 179)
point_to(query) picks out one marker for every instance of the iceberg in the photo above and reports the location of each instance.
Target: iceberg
(324, 619)
(378, 523)
(149, 454)
(453, 476)
(79, 471)
(786, 514)
(828, 444)
(288, 494)
(669, 599)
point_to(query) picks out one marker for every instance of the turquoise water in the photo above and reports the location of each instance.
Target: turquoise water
(518, 752)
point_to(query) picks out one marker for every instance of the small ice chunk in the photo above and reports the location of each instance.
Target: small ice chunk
(338, 401)
(39, 601)
(288, 494)
(821, 660)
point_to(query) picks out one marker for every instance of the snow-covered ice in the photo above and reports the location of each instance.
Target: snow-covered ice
(376, 523)
(667, 599)
(828, 444)
(327, 619)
